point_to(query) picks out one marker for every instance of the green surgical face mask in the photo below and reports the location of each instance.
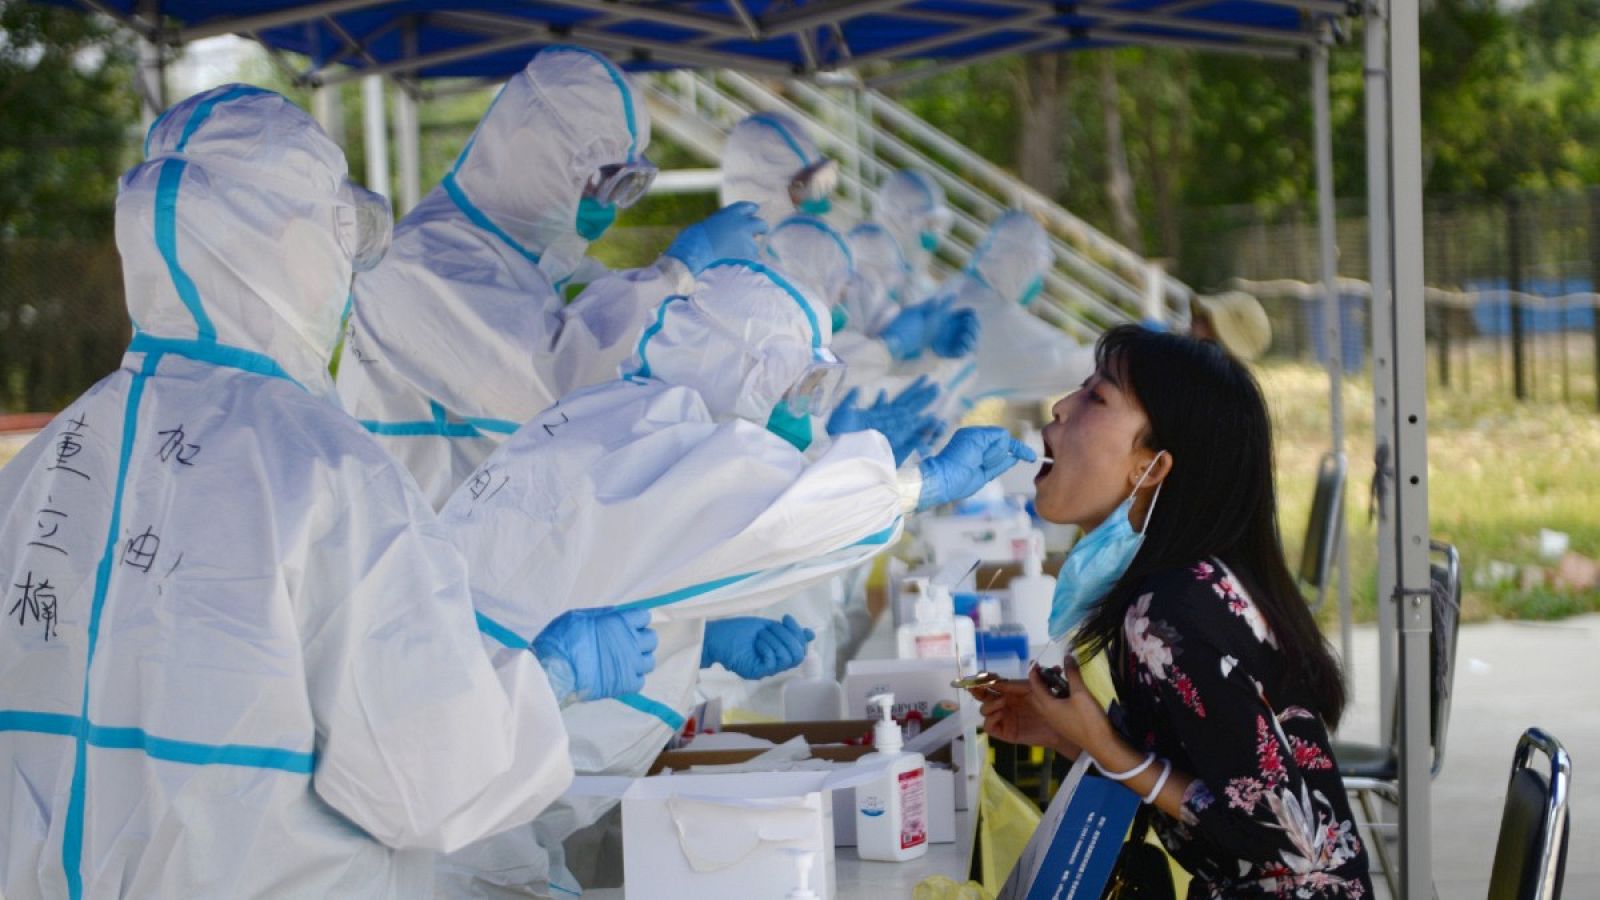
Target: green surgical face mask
(839, 317)
(594, 218)
(929, 240)
(1029, 293)
(819, 207)
(792, 428)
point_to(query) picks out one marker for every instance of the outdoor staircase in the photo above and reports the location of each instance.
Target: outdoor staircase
(1095, 283)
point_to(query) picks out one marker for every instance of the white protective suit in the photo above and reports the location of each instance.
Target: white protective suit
(663, 490)
(882, 264)
(910, 204)
(1020, 357)
(240, 657)
(461, 334)
(761, 157)
(809, 252)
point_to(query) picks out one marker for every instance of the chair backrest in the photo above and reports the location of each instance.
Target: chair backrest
(1530, 856)
(1320, 551)
(1444, 576)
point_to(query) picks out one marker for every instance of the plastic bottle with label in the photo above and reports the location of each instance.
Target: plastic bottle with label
(1032, 594)
(892, 809)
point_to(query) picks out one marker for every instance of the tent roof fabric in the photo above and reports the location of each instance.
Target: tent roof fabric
(418, 39)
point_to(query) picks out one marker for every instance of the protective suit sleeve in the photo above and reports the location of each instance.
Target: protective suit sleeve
(420, 741)
(1020, 356)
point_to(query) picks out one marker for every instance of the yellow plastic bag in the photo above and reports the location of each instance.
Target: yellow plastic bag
(1006, 820)
(938, 887)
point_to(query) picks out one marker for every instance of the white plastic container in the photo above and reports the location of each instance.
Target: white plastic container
(892, 809)
(931, 634)
(812, 697)
(1033, 593)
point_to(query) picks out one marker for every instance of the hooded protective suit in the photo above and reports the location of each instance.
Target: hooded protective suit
(763, 156)
(664, 491)
(461, 335)
(1020, 357)
(910, 205)
(240, 657)
(880, 262)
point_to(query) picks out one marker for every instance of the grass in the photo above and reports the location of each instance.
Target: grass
(1498, 472)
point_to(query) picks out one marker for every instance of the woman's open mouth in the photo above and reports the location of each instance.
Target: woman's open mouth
(1046, 461)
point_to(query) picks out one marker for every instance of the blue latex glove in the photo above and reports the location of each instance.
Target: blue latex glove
(900, 420)
(752, 647)
(953, 332)
(592, 654)
(907, 333)
(968, 462)
(728, 233)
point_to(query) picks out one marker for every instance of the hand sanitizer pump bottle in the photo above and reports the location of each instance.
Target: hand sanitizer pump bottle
(892, 809)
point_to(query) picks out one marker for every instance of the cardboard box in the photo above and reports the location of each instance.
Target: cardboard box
(921, 688)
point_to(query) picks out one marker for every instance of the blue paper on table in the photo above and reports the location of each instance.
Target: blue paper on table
(1072, 852)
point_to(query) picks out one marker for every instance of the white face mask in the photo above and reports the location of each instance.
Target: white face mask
(1098, 560)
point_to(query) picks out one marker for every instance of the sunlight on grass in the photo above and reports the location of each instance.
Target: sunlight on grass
(1497, 473)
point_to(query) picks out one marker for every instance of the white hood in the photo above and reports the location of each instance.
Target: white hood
(1011, 256)
(741, 341)
(230, 231)
(880, 260)
(553, 124)
(811, 254)
(763, 154)
(906, 203)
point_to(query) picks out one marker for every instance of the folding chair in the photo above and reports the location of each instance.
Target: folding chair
(1321, 549)
(1530, 856)
(1372, 771)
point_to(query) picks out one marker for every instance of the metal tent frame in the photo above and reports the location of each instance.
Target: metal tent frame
(409, 41)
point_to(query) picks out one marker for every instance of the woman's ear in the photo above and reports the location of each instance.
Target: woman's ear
(1150, 469)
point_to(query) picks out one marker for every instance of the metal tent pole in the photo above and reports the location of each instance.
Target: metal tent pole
(1333, 330)
(1381, 255)
(1411, 452)
(408, 134)
(375, 134)
(328, 109)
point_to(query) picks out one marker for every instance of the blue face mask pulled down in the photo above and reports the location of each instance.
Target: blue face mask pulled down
(929, 240)
(1097, 560)
(594, 218)
(792, 428)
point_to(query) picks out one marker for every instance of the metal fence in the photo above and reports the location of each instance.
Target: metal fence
(1511, 305)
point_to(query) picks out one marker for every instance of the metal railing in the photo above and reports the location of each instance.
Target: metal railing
(1095, 281)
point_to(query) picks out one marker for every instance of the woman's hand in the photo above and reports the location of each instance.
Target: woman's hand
(1076, 719)
(1009, 714)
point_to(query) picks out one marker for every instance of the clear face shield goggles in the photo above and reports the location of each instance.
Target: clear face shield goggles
(621, 184)
(365, 225)
(817, 389)
(814, 183)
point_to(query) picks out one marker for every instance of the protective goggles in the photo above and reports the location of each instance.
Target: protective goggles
(817, 389)
(621, 184)
(814, 182)
(365, 225)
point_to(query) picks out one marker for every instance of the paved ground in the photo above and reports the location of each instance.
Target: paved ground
(1510, 675)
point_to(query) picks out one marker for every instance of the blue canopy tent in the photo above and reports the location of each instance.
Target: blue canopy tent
(491, 39)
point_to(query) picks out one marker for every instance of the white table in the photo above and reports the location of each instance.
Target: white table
(861, 880)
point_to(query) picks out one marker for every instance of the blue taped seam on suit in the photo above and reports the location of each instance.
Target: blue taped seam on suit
(501, 633)
(477, 217)
(665, 713)
(166, 749)
(815, 225)
(780, 281)
(783, 132)
(167, 242)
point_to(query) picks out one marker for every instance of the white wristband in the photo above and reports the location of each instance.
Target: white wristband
(1124, 776)
(1166, 770)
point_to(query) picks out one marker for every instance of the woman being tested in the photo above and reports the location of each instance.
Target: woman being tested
(1227, 691)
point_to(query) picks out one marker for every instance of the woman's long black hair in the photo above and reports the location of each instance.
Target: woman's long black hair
(1219, 500)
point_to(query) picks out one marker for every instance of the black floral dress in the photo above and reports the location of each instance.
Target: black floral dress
(1203, 684)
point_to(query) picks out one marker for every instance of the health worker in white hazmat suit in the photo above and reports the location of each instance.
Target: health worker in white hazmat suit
(461, 335)
(910, 206)
(1021, 358)
(240, 658)
(686, 488)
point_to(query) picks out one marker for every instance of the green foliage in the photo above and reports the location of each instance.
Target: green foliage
(67, 114)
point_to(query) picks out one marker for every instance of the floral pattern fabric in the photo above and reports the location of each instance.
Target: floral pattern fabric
(1202, 683)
